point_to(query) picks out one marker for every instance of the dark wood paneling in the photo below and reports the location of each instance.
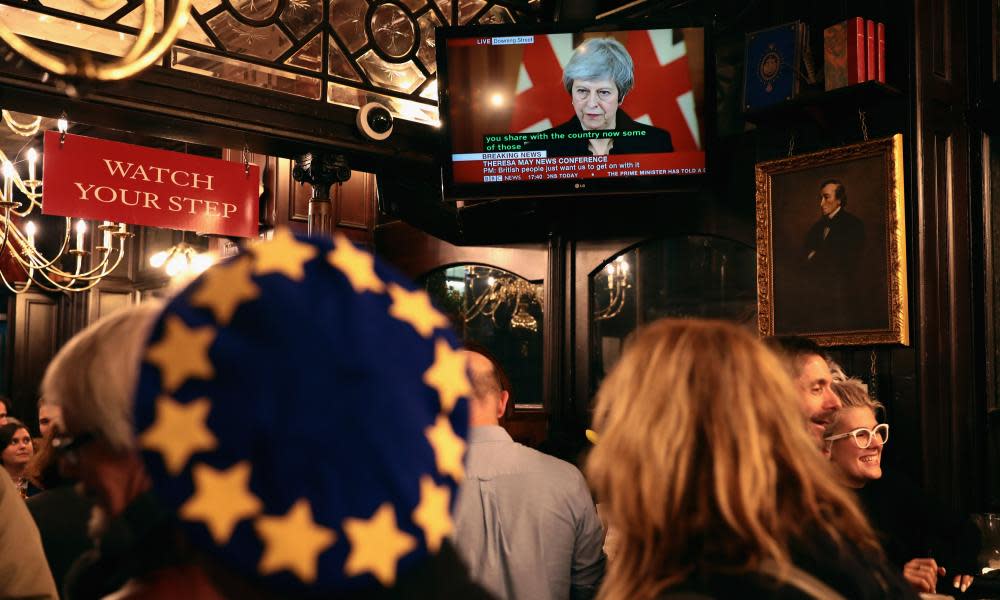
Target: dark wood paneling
(354, 202)
(35, 326)
(414, 253)
(940, 38)
(105, 300)
(946, 385)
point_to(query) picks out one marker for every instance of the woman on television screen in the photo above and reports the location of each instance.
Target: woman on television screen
(598, 76)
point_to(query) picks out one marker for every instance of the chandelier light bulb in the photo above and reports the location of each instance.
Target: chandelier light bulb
(81, 228)
(177, 264)
(32, 159)
(8, 169)
(201, 262)
(29, 230)
(62, 124)
(156, 261)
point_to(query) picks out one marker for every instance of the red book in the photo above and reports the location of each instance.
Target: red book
(855, 50)
(870, 55)
(844, 53)
(880, 44)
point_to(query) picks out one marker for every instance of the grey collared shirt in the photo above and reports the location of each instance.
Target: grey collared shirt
(525, 523)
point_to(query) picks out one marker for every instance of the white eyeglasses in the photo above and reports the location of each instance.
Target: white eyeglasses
(863, 437)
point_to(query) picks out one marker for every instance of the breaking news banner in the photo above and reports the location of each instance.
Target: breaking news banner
(514, 160)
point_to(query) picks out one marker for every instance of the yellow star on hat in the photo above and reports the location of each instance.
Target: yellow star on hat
(432, 513)
(221, 499)
(179, 431)
(224, 288)
(356, 265)
(447, 375)
(415, 308)
(448, 448)
(376, 545)
(283, 254)
(182, 353)
(293, 542)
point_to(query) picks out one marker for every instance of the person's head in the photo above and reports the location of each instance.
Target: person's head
(315, 391)
(598, 76)
(832, 195)
(17, 447)
(805, 362)
(92, 380)
(855, 439)
(702, 447)
(488, 401)
(49, 417)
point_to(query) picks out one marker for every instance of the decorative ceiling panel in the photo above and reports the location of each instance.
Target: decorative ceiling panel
(345, 52)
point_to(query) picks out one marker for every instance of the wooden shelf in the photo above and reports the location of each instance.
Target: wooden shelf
(814, 104)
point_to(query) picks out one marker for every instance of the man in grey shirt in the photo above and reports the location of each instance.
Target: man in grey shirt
(525, 523)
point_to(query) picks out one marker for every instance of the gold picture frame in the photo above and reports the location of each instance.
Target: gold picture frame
(834, 269)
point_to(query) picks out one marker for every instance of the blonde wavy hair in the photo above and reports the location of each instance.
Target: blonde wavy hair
(704, 462)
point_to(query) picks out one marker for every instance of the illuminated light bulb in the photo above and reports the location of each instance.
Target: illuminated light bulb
(62, 124)
(8, 181)
(496, 100)
(81, 228)
(156, 261)
(491, 281)
(30, 229)
(32, 159)
(201, 262)
(177, 264)
(624, 267)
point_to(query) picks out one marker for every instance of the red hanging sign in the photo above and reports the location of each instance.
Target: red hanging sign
(90, 178)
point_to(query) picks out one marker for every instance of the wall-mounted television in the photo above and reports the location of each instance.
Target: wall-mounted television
(558, 110)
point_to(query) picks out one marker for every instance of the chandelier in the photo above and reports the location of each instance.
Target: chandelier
(20, 197)
(145, 51)
(181, 260)
(617, 275)
(500, 290)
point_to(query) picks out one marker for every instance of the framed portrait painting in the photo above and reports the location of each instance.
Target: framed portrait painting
(831, 245)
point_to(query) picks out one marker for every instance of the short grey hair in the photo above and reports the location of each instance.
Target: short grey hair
(600, 58)
(93, 377)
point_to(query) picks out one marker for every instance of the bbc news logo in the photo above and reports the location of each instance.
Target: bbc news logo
(492, 177)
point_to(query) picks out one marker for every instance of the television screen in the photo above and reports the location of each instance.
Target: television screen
(534, 113)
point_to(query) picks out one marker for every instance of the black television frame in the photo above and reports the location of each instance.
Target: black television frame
(652, 184)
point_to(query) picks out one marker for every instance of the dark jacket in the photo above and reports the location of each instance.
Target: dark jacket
(846, 570)
(911, 525)
(653, 139)
(61, 516)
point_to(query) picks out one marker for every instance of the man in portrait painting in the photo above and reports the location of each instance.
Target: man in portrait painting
(833, 249)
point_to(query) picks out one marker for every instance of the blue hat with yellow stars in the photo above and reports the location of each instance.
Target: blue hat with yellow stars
(302, 408)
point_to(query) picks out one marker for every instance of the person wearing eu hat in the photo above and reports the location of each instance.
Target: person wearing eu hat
(292, 423)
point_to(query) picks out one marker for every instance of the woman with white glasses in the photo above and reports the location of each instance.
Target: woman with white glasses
(917, 535)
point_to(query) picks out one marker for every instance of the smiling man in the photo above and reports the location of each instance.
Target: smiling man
(598, 77)
(804, 361)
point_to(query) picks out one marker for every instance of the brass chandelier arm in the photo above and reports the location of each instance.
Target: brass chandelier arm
(31, 194)
(36, 267)
(22, 129)
(135, 60)
(41, 265)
